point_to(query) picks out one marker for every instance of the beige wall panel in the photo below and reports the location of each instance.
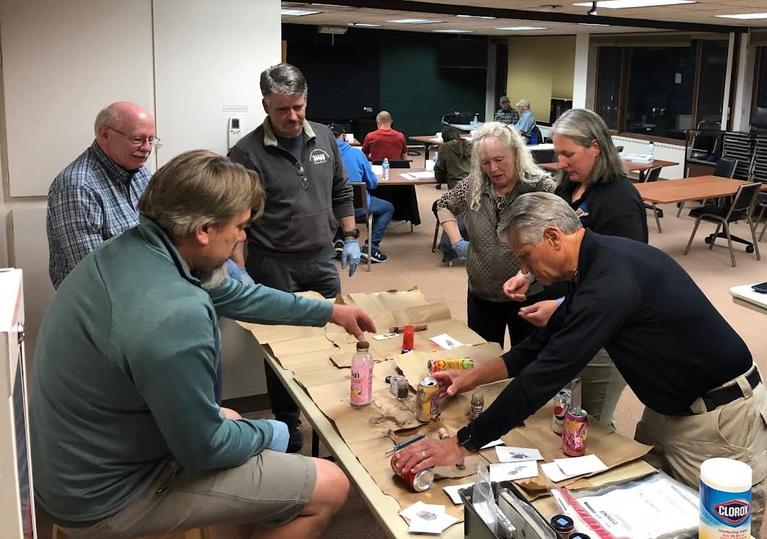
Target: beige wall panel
(540, 68)
(62, 62)
(209, 56)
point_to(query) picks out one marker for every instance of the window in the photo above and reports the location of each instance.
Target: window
(760, 78)
(609, 60)
(661, 90)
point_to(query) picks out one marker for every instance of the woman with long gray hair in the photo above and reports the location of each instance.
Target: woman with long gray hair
(591, 179)
(501, 170)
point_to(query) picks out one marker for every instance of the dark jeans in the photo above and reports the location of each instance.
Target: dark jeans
(292, 273)
(490, 319)
(382, 211)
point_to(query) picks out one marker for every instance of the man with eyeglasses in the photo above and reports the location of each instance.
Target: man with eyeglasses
(308, 196)
(95, 197)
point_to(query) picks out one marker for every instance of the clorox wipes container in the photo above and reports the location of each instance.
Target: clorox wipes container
(725, 499)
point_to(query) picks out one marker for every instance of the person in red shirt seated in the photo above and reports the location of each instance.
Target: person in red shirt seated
(384, 142)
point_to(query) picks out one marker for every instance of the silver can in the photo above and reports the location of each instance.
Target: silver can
(562, 403)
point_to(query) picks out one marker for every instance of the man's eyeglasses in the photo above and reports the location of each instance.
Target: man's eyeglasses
(154, 142)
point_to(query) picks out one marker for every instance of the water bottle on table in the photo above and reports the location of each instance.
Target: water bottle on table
(385, 168)
(650, 151)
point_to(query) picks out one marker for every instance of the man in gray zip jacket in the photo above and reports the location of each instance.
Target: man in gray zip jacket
(291, 247)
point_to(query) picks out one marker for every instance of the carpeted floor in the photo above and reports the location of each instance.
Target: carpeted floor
(411, 263)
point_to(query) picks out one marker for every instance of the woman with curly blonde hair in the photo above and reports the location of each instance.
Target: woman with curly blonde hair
(501, 170)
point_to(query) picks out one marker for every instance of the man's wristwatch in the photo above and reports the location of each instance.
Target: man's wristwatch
(464, 440)
(353, 233)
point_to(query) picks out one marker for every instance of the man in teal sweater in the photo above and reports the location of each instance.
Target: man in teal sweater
(127, 438)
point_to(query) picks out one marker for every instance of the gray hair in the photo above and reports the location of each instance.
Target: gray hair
(531, 213)
(283, 79)
(199, 188)
(524, 103)
(107, 116)
(584, 127)
(526, 169)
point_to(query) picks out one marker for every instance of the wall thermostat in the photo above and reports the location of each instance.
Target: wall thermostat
(233, 132)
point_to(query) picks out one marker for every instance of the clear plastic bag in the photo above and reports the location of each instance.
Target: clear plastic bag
(483, 498)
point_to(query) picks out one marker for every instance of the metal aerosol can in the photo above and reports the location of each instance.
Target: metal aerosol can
(408, 338)
(427, 408)
(437, 365)
(417, 481)
(574, 432)
(562, 403)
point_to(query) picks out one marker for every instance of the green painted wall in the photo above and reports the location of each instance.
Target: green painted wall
(410, 85)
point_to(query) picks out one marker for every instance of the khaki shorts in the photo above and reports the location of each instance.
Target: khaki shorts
(268, 491)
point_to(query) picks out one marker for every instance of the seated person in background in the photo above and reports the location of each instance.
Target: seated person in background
(506, 114)
(454, 158)
(126, 437)
(358, 169)
(384, 142)
(526, 121)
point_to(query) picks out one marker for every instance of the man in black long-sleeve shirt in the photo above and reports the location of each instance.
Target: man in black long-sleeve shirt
(695, 375)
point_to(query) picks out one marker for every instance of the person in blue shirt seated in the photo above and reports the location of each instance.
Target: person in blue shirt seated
(526, 122)
(358, 169)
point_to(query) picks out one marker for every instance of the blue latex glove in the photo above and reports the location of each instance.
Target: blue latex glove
(461, 248)
(280, 436)
(237, 273)
(351, 254)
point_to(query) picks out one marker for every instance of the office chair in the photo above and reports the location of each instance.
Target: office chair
(741, 209)
(360, 190)
(394, 163)
(725, 168)
(652, 175)
(535, 136)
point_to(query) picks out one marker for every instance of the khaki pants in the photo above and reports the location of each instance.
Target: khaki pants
(737, 430)
(601, 387)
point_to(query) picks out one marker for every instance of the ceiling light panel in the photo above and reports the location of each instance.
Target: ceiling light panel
(625, 4)
(521, 28)
(414, 21)
(297, 12)
(744, 16)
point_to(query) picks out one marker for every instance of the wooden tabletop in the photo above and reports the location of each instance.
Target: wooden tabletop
(630, 166)
(695, 188)
(395, 177)
(427, 139)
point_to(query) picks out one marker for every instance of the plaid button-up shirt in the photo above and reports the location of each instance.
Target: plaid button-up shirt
(510, 116)
(90, 201)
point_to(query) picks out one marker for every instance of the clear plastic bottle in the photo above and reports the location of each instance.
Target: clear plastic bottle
(651, 151)
(361, 391)
(475, 121)
(385, 167)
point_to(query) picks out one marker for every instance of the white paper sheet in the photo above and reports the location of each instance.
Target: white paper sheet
(562, 469)
(488, 445)
(384, 336)
(452, 492)
(517, 454)
(427, 518)
(425, 175)
(446, 341)
(511, 471)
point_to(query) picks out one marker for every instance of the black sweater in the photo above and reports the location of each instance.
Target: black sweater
(668, 341)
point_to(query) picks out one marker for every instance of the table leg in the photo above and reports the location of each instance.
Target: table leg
(657, 217)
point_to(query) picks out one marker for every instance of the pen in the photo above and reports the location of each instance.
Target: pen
(406, 443)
